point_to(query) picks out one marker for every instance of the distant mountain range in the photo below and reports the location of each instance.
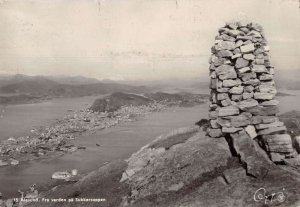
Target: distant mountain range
(19, 87)
(69, 80)
(64, 85)
(30, 88)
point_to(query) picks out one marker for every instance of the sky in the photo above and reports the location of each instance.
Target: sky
(135, 39)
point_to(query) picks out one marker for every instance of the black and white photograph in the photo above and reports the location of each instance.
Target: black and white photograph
(150, 103)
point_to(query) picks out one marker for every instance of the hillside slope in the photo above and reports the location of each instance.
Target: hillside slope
(116, 100)
(32, 89)
(182, 168)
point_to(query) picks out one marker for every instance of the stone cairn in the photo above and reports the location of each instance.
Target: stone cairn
(243, 90)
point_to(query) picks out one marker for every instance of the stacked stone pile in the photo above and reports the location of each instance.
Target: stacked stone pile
(243, 90)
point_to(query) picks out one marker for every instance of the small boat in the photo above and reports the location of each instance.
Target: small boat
(61, 175)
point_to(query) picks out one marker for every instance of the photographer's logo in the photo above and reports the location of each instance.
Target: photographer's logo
(261, 195)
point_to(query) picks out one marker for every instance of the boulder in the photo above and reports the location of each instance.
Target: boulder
(247, 48)
(244, 119)
(213, 74)
(216, 42)
(257, 165)
(248, 95)
(264, 96)
(247, 76)
(223, 90)
(254, 34)
(270, 103)
(278, 139)
(272, 130)
(236, 90)
(219, 62)
(250, 129)
(226, 37)
(258, 51)
(213, 83)
(224, 53)
(236, 97)
(265, 77)
(213, 114)
(219, 84)
(244, 70)
(276, 157)
(234, 32)
(280, 148)
(239, 43)
(223, 122)
(263, 110)
(249, 89)
(259, 61)
(228, 111)
(231, 83)
(247, 104)
(241, 63)
(226, 72)
(230, 129)
(225, 45)
(212, 67)
(245, 37)
(249, 56)
(269, 83)
(252, 82)
(222, 96)
(265, 126)
(213, 97)
(214, 124)
(213, 106)
(213, 58)
(263, 119)
(226, 102)
(259, 69)
(236, 51)
(236, 56)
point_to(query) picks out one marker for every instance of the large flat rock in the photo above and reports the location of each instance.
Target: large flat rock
(257, 163)
(167, 185)
(226, 72)
(177, 166)
(228, 111)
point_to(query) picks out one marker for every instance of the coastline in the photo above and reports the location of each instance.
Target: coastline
(56, 139)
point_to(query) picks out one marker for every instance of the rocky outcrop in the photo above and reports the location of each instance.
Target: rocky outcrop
(242, 94)
(200, 171)
(181, 168)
